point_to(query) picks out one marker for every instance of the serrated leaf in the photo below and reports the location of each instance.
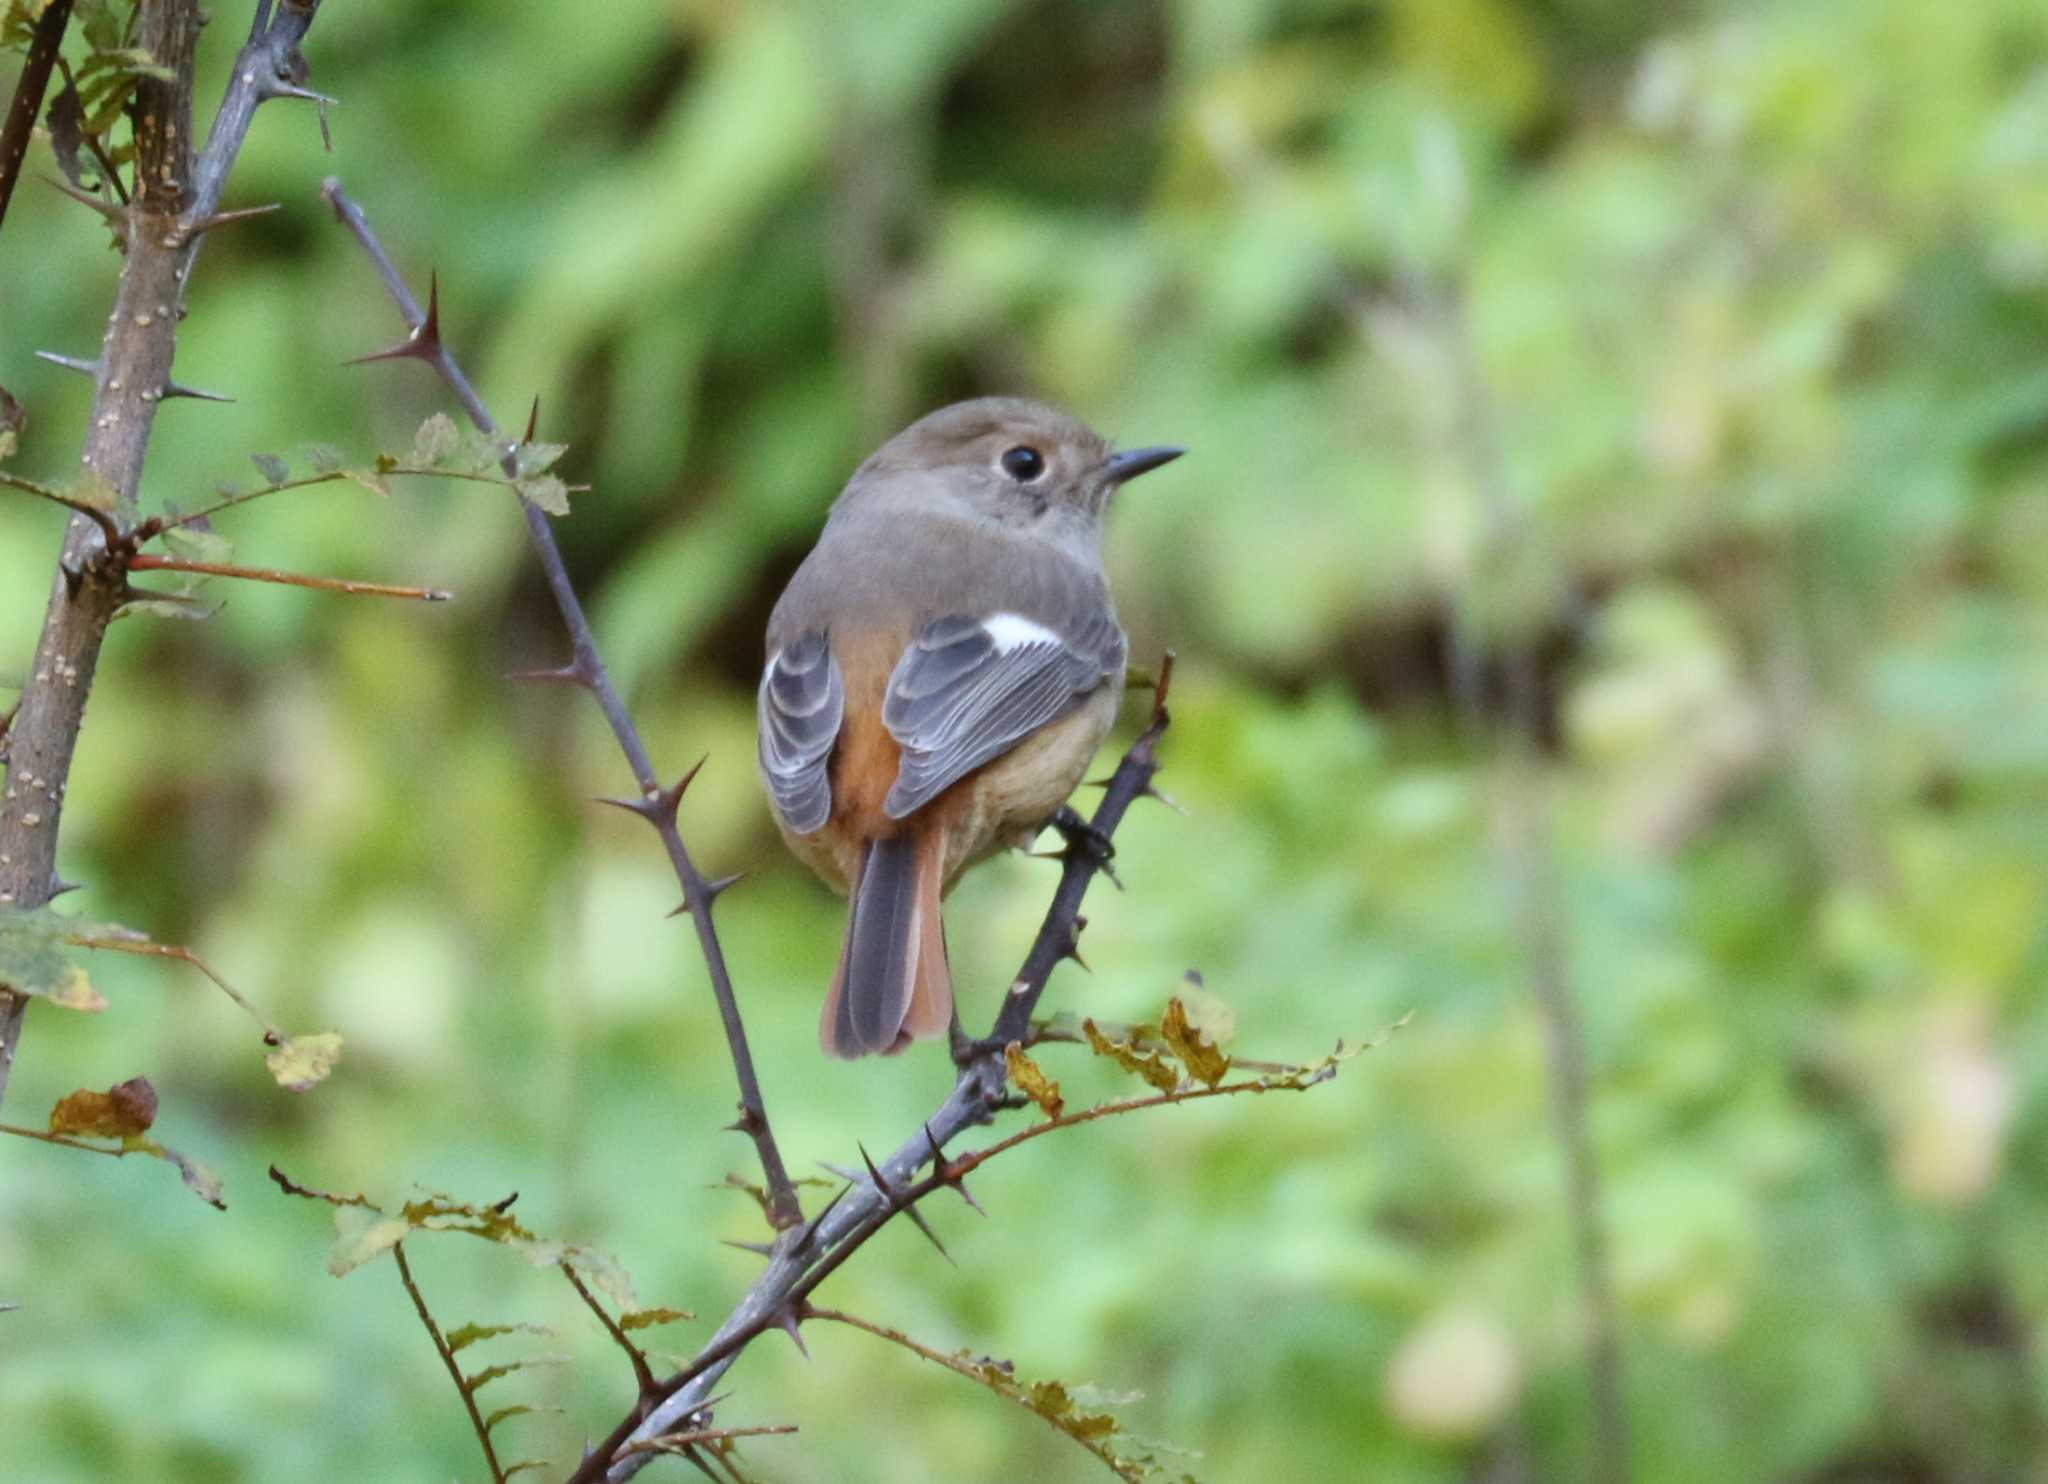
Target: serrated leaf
(490, 1373)
(606, 1274)
(198, 544)
(647, 1318)
(301, 1062)
(1199, 1055)
(547, 492)
(437, 438)
(1030, 1079)
(517, 1409)
(530, 459)
(324, 458)
(32, 959)
(123, 1111)
(275, 471)
(469, 1334)
(167, 605)
(1154, 1068)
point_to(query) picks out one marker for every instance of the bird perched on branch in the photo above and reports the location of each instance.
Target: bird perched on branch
(940, 672)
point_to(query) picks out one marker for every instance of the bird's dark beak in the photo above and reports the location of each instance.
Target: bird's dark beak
(1138, 461)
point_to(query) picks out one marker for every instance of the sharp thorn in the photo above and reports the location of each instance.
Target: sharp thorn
(60, 886)
(69, 363)
(788, 1322)
(112, 211)
(179, 389)
(677, 911)
(532, 421)
(293, 90)
(690, 777)
(759, 1249)
(840, 1170)
(718, 886)
(422, 342)
(1151, 791)
(881, 1185)
(917, 1219)
(631, 806)
(1098, 783)
(225, 219)
(968, 1196)
(817, 1222)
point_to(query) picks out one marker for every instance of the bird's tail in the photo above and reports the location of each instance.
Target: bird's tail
(893, 984)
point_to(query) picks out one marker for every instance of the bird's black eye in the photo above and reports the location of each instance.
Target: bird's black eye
(1022, 464)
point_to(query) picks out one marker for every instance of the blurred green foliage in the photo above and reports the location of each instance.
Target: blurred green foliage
(1696, 354)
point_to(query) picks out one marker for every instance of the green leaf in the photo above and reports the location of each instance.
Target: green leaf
(646, 1318)
(33, 962)
(198, 544)
(198, 1179)
(301, 1062)
(167, 605)
(547, 492)
(488, 1374)
(437, 438)
(530, 459)
(469, 1334)
(274, 470)
(324, 458)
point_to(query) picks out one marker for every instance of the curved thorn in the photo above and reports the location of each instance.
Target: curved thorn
(179, 389)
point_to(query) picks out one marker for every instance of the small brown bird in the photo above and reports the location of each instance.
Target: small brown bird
(940, 671)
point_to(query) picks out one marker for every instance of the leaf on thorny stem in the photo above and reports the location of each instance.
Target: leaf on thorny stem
(468, 1334)
(647, 1318)
(32, 959)
(301, 1062)
(90, 488)
(197, 543)
(166, 605)
(545, 491)
(274, 470)
(360, 1234)
(436, 440)
(121, 1112)
(324, 458)
(1030, 1079)
(1154, 1068)
(492, 1373)
(1199, 1055)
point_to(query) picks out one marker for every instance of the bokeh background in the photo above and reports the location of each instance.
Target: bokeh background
(1662, 383)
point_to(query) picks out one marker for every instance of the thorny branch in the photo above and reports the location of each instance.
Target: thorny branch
(796, 1267)
(656, 804)
(176, 200)
(43, 47)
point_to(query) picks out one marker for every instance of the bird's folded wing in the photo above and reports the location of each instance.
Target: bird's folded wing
(968, 689)
(802, 701)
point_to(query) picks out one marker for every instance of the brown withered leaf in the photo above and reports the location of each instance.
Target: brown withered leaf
(1197, 1053)
(1154, 1068)
(123, 1111)
(1029, 1078)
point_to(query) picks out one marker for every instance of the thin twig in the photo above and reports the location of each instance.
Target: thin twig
(634, 1353)
(101, 518)
(657, 804)
(678, 1442)
(65, 1139)
(476, 1418)
(43, 48)
(962, 1367)
(148, 562)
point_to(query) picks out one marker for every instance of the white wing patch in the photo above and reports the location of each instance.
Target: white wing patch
(1010, 631)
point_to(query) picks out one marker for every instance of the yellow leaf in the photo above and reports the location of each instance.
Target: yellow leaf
(121, 1112)
(1198, 1054)
(1030, 1079)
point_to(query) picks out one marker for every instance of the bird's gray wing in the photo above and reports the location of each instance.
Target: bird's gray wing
(968, 689)
(801, 703)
